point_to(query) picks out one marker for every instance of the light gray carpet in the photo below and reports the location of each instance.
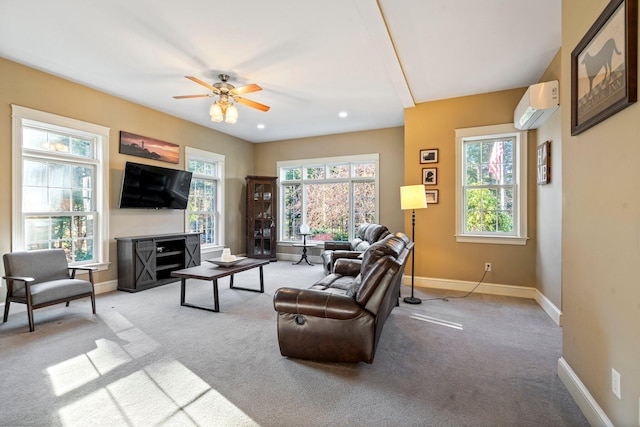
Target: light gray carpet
(145, 360)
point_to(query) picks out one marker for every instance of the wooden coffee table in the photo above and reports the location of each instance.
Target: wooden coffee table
(210, 272)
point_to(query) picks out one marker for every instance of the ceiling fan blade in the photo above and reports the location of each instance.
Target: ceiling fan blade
(251, 104)
(245, 89)
(205, 84)
(206, 95)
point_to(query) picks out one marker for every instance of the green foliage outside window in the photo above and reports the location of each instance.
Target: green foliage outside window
(489, 186)
(484, 213)
(201, 208)
(66, 192)
(328, 193)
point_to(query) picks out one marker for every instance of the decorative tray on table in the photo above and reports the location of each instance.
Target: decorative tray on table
(221, 263)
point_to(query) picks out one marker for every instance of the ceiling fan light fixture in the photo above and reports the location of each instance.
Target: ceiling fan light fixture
(216, 112)
(223, 109)
(231, 115)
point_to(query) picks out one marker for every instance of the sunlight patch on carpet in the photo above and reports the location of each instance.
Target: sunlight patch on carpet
(436, 321)
(71, 374)
(162, 392)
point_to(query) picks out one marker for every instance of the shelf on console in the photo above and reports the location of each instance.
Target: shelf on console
(147, 261)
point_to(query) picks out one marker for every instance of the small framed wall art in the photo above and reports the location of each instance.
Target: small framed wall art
(429, 156)
(429, 176)
(432, 196)
(543, 170)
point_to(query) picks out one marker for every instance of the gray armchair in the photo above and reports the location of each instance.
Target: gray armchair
(43, 277)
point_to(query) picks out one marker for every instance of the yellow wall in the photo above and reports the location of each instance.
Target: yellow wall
(600, 240)
(438, 255)
(30, 88)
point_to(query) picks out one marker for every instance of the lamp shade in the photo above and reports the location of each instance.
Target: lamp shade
(216, 112)
(413, 197)
(232, 114)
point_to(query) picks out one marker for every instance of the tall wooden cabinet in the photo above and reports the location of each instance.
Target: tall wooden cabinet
(262, 201)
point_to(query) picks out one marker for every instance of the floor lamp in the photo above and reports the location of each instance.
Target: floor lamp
(413, 197)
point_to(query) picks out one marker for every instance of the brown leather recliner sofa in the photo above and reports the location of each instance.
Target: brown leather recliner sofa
(340, 318)
(334, 249)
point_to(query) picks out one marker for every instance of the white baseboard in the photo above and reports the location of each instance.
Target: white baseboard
(104, 287)
(552, 311)
(490, 288)
(314, 259)
(587, 404)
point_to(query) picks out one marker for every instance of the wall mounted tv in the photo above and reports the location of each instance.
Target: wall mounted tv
(154, 187)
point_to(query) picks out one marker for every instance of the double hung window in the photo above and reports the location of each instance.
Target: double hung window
(59, 186)
(333, 196)
(205, 211)
(491, 185)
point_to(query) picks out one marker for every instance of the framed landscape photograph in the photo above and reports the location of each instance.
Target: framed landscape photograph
(604, 66)
(429, 156)
(429, 176)
(432, 196)
(149, 148)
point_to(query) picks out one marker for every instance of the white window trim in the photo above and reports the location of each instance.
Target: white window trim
(22, 115)
(520, 160)
(208, 156)
(371, 157)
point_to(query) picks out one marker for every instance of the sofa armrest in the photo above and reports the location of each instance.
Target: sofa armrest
(336, 245)
(316, 303)
(338, 254)
(347, 267)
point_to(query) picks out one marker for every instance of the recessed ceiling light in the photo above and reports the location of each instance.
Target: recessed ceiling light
(260, 126)
(342, 114)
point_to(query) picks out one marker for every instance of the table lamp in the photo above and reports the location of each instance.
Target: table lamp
(413, 197)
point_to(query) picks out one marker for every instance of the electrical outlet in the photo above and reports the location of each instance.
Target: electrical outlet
(615, 383)
(487, 266)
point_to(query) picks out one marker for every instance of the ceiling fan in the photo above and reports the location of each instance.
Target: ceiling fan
(223, 109)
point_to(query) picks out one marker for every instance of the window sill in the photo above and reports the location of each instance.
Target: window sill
(285, 243)
(208, 249)
(494, 240)
(101, 266)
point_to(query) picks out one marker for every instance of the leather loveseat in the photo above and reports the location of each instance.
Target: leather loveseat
(340, 318)
(367, 234)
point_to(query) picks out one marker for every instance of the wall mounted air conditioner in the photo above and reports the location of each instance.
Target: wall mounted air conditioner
(537, 104)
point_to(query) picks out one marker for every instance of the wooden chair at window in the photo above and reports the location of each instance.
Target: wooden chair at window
(43, 277)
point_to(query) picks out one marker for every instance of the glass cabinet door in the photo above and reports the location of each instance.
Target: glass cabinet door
(261, 228)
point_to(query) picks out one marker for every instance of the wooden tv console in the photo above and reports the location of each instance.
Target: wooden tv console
(147, 261)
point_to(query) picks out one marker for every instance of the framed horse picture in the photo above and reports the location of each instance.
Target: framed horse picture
(604, 66)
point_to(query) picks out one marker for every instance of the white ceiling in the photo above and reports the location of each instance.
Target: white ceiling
(312, 59)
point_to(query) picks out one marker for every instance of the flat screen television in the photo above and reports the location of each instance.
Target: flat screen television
(154, 187)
